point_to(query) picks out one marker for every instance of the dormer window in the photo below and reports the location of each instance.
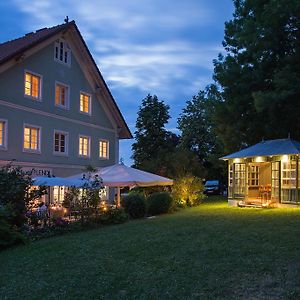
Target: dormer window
(62, 52)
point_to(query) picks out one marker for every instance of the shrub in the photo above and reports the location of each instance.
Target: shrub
(160, 203)
(112, 216)
(16, 192)
(134, 205)
(188, 191)
(9, 235)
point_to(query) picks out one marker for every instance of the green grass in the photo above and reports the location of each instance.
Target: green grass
(208, 252)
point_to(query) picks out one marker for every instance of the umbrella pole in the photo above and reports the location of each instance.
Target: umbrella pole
(118, 196)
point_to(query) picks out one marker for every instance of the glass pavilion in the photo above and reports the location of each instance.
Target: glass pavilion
(266, 174)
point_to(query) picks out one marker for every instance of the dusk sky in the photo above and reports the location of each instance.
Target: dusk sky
(160, 47)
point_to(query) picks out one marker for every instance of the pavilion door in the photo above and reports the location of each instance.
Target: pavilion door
(275, 173)
(239, 180)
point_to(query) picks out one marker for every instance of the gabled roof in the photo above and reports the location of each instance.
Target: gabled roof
(14, 48)
(268, 148)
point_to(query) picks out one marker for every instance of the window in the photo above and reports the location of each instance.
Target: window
(288, 174)
(84, 146)
(61, 95)
(32, 85)
(62, 52)
(103, 193)
(103, 149)
(85, 103)
(60, 143)
(58, 194)
(3, 134)
(253, 175)
(32, 138)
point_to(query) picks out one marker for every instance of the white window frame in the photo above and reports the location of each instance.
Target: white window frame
(38, 151)
(89, 146)
(67, 106)
(39, 98)
(102, 157)
(90, 103)
(66, 48)
(58, 153)
(5, 136)
(61, 194)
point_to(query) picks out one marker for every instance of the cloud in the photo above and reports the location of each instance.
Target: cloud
(153, 66)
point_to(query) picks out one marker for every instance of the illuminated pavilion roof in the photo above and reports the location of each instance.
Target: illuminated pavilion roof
(268, 148)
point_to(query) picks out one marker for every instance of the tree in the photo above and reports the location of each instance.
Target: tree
(199, 136)
(153, 142)
(259, 77)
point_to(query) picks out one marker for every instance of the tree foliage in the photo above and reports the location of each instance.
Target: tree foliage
(259, 77)
(199, 136)
(16, 193)
(153, 142)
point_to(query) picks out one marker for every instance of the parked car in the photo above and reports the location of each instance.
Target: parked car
(212, 187)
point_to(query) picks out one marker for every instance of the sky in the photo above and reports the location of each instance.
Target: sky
(161, 47)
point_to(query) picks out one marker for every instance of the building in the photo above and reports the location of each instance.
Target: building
(266, 174)
(57, 114)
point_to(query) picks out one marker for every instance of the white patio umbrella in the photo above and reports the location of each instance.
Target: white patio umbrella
(52, 181)
(119, 175)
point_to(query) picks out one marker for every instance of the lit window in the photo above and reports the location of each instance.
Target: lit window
(103, 149)
(85, 103)
(3, 132)
(84, 146)
(31, 138)
(103, 193)
(32, 85)
(60, 142)
(58, 194)
(62, 52)
(61, 95)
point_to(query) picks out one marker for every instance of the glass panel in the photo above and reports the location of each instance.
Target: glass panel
(27, 84)
(57, 94)
(56, 51)
(26, 138)
(2, 124)
(34, 139)
(56, 142)
(35, 86)
(84, 103)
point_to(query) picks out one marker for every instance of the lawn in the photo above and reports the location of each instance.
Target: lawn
(208, 252)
